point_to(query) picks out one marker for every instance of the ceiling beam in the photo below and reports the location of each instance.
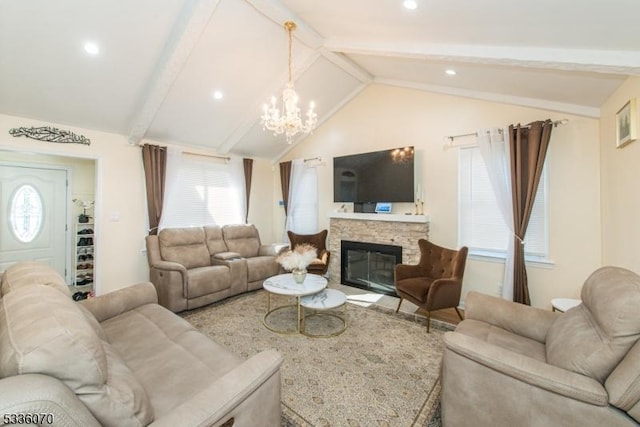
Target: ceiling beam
(585, 60)
(185, 35)
(251, 119)
(325, 117)
(542, 104)
(276, 12)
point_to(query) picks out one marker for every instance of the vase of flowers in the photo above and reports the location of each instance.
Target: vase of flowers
(297, 260)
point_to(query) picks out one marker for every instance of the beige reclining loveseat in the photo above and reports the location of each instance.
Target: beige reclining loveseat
(120, 360)
(509, 364)
(195, 266)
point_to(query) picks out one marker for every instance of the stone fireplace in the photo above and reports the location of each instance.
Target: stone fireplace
(387, 230)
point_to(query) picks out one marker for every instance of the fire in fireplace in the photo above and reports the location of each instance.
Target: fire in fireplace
(369, 265)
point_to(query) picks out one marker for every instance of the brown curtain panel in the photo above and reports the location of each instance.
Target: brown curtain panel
(528, 149)
(154, 160)
(285, 179)
(248, 172)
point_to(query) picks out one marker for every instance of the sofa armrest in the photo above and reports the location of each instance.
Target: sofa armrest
(225, 256)
(213, 405)
(444, 293)
(530, 322)
(170, 266)
(272, 250)
(407, 271)
(527, 369)
(114, 303)
(41, 394)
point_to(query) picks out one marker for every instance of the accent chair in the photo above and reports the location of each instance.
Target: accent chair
(319, 265)
(435, 282)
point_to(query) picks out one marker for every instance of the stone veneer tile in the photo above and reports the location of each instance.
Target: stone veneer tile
(404, 234)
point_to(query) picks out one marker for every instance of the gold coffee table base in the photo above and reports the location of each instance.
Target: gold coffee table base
(270, 311)
(286, 286)
(342, 318)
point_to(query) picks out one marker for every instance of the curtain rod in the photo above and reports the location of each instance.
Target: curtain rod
(452, 137)
(191, 153)
(310, 159)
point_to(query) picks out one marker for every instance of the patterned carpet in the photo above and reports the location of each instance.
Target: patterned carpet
(382, 371)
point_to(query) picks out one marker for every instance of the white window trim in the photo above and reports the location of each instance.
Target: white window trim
(497, 256)
(500, 257)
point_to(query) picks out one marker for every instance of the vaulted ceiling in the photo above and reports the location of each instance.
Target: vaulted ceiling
(159, 62)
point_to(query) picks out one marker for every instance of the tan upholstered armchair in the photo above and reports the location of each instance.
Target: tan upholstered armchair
(509, 364)
(435, 282)
(318, 240)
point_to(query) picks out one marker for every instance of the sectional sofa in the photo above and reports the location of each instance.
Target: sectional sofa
(195, 266)
(121, 360)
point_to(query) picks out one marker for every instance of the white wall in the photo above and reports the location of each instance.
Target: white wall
(383, 117)
(620, 178)
(121, 212)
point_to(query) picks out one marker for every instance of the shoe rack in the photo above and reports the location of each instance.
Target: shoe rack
(84, 252)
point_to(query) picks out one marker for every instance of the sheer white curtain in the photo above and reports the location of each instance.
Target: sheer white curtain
(495, 153)
(302, 214)
(202, 190)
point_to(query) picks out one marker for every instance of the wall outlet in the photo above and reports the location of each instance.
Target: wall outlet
(499, 288)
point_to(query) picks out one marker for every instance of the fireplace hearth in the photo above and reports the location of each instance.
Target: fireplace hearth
(369, 266)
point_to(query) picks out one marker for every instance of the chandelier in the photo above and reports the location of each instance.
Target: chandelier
(401, 155)
(287, 120)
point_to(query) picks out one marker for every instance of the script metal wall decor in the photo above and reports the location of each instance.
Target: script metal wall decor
(49, 134)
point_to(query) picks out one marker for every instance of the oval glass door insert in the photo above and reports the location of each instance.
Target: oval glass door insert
(26, 213)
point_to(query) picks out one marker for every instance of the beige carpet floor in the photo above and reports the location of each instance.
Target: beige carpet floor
(382, 371)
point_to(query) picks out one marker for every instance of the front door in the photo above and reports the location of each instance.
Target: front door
(33, 216)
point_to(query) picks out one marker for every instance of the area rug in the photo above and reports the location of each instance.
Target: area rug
(382, 371)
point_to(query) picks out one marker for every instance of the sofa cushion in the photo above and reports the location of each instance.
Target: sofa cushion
(163, 343)
(623, 385)
(206, 280)
(243, 239)
(43, 331)
(186, 246)
(215, 242)
(32, 272)
(261, 267)
(592, 338)
(502, 338)
(417, 287)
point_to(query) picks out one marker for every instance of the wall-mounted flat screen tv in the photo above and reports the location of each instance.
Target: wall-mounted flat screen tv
(379, 176)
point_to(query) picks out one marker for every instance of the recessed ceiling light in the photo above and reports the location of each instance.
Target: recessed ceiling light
(91, 48)
(410, 4)
(217, 94)
(450, 72)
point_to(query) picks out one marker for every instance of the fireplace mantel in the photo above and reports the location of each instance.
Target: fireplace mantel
(421, 219)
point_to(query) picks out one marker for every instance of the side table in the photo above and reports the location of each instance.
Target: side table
(564, 304)
(320, 303)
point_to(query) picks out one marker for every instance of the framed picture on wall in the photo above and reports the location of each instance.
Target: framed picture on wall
(626, 124)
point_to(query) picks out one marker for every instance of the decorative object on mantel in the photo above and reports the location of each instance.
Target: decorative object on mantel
(298, 260)
(288, 121)
(626, 124)
(49, 134)
(419, 201)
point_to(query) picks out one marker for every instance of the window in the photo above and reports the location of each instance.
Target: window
(302, 217)
(26, 213)
(480, 223)
(202, 191)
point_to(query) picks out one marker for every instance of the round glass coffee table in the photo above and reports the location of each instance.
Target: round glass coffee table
(283, 284)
